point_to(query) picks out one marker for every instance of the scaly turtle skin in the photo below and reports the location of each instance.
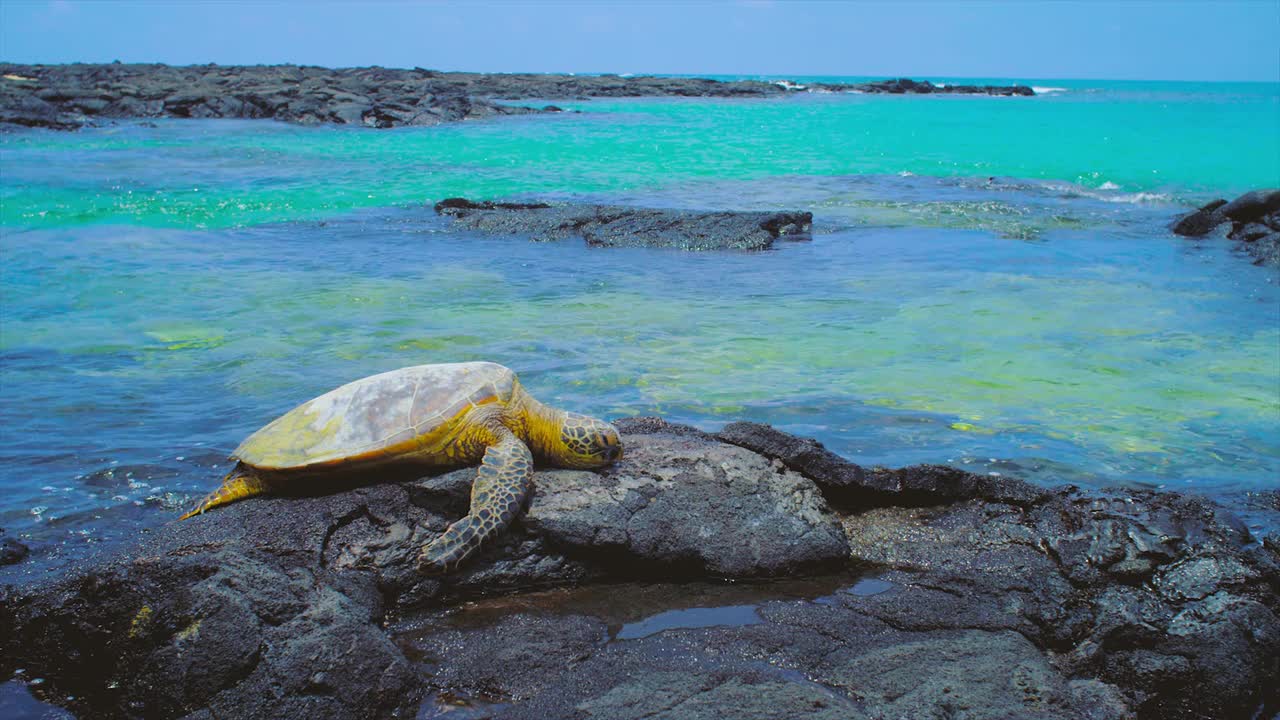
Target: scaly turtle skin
(439, 416)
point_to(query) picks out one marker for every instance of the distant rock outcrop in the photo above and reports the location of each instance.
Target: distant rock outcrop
(906, 86)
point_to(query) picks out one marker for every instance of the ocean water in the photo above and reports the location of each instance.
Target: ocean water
(991, 283)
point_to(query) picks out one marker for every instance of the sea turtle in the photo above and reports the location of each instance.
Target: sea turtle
(448, 415)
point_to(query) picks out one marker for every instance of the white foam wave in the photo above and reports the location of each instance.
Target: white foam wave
(1137, 198)
(1106, 192)
(1047, 90)
(788, 85)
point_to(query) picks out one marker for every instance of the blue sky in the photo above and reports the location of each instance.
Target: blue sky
(1190, 40)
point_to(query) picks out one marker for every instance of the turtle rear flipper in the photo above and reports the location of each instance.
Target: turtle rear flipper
(240, 483)
(501, 486)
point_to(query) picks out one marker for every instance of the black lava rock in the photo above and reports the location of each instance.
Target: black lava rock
(1252, 206)
(617, 226)
(906, 86)
(1202, 221)
(1254, 218)
(994, 596)
(65, 97)
(70, 96)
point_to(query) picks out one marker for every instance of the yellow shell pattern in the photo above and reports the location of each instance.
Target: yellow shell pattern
(411, 411)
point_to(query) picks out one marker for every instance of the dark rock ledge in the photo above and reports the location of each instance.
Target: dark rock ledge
(995, 599)
(65, 97)
(1254, 220)
(618, 226)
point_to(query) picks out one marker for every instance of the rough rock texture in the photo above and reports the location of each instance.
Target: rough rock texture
(617, 226)
(1254, 218)
(65, 97)
(995, 599)
(70, 96)
(838, 656)
(1265, 250)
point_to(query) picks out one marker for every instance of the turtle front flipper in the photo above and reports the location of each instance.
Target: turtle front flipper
(501, 486)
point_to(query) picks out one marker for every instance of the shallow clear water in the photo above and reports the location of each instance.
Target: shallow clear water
(991, 283)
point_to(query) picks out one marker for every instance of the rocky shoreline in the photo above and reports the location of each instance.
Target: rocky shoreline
(619, 226)
(66, 97)
(969, 595)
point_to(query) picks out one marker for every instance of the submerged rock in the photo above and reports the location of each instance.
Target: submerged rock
(12, 551)
(993, 597)
(618, 226)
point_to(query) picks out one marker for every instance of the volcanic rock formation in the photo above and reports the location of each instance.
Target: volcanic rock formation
(992, 598)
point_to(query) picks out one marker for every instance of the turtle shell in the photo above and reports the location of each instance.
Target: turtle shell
(382, 417)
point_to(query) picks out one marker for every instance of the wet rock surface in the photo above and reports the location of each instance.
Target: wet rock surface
(1253, 218)
(618, 226)
(66, 97)
(990, 598)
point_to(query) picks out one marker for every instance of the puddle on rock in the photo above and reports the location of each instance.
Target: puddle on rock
(729, 615)
(451, 706)
(629, 612)
(18, 703)
(633, 610)
(864, 587)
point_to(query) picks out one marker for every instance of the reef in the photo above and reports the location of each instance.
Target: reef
(1253, 219)
(619, 226)
(966, 596)
(66, 97)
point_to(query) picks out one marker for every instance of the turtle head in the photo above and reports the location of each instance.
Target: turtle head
(585, 442)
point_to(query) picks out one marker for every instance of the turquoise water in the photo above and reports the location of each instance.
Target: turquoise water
(990, 284)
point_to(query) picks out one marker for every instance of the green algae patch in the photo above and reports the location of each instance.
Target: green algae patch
(188, 338)
(189, 632)
(141, 623)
